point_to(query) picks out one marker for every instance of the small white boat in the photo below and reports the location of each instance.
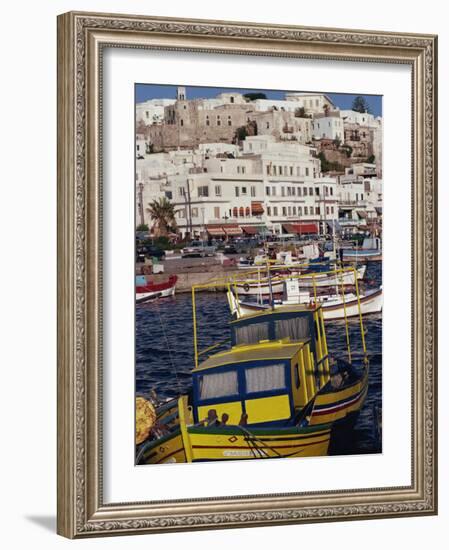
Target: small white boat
(261, 286)
(335, 306)
(371, 251)
(327, 278)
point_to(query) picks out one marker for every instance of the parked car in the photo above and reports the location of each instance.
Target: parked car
(140, 257)
(230, 249)
(150, 251)
(198, 249)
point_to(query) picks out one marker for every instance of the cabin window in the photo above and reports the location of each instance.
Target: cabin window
(295, 328)
(271, 377)
(220, 384)
(251, 334)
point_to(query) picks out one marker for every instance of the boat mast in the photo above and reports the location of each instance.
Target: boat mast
(270, 286)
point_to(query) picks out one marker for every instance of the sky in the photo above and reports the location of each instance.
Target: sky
(153, 91)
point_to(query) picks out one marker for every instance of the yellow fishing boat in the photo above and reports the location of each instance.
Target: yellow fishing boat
(274, 393)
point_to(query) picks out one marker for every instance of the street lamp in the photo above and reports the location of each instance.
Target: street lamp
(226, 218)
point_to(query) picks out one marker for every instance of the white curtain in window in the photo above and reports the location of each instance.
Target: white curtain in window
(296, 328)
(219, 384)
(251, 334)
(271, 377)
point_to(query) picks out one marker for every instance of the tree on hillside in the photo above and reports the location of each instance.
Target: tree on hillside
(252, 96)
(241, 133)
(162, 214)
(327, 166)
(300, 112)
(347, 149)
(360, 105)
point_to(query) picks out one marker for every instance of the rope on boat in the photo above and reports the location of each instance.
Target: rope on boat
(348, 343)
(167, 342)
(252, 441)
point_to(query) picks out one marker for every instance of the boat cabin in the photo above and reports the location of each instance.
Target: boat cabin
(277, 363)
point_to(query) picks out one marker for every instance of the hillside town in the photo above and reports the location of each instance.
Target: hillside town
(246, 165)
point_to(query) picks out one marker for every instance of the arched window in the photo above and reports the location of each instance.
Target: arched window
(235, 212)
(247, 211)
(241, 211)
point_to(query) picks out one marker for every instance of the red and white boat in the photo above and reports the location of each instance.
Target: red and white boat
(151, 290)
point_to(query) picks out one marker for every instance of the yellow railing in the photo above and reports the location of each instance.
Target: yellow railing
(234, 281)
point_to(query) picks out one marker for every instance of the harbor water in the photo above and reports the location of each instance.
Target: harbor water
(164, 352)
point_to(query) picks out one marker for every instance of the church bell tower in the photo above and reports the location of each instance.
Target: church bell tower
(181, 93)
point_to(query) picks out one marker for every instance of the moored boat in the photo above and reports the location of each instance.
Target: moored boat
(370, 251)
(335, 305)
(151, 290)
(276, 392)
(256, 284)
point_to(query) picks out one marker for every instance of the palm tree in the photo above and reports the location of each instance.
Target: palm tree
(162, 213)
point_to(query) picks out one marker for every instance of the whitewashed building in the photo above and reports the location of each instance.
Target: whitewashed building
(152, 111)
(328, 126)
(279, 188)
(360, 195)
(355, 117)
(311, 103)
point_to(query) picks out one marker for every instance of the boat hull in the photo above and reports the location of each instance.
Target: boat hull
(312, 436)
(334, 406)
(158, 290)
(369, 303)
(362, 256)
(166, 450)
(239, 443)
(234, 444)
(142, 297)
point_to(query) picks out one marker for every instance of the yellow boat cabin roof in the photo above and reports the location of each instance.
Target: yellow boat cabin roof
(269, 350)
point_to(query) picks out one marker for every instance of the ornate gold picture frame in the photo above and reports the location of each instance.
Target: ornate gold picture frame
(82, 38)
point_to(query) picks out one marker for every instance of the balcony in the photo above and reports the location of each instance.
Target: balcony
(342, 203)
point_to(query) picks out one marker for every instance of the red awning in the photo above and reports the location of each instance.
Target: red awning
(232, 229)
(250, 229)
(256, 208)
(301, 228)
(288, 227)
(215, 230)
